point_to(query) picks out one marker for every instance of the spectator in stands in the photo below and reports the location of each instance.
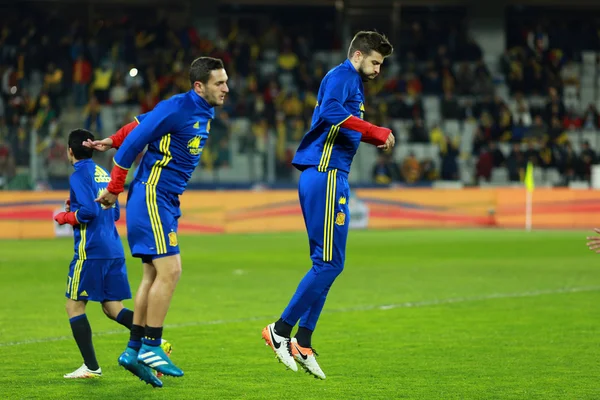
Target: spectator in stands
(505, 124)
(537, 40)
(3, 129)
(532, 154)
(519, 131)
(554, 106)
(498, 159)
(538, 130)
(450, 108)
(449, 164)
(82, 76)
(547, 154)
(556, 132)
(7, 164)
(591, 118)
(101, 85)
(515, 164)
(572, 121)
(520, 109)
(569, 163)
(222, 158)
(288, 60)
(432, 83)
(384, 171)
(19, 139)
(436, 135)
(418, 133)
(411, 168)
(397, 108)
(484, 165)
(413, 84)
(53, 85)
(469, 110)
(588, 158)
(465, 80)
(448, 80)
(93, 117)
(570, 74)
(428, 170)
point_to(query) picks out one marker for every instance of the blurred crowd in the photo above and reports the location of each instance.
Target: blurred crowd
(543, 108)
(49, 64)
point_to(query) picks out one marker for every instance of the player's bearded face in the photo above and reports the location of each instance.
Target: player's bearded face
(370, 66)
(216, 88)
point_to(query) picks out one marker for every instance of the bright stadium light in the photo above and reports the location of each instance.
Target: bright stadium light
(13, 90)
(133, 72)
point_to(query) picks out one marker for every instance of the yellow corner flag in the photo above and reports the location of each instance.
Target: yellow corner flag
(529, 182)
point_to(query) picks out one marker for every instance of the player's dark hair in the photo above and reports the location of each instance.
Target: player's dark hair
(369, 41)
(76, 139)
(201, 67)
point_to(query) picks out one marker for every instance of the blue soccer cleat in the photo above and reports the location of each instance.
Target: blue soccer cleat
(129, 361)
(156, 358)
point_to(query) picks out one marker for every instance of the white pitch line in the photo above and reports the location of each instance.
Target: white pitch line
(411, 304)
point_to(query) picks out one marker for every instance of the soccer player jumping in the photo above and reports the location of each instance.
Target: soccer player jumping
(324, 157)
(175, 131)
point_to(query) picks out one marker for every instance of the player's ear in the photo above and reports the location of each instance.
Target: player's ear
(199, 87)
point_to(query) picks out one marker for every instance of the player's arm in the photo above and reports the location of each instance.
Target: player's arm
(117, 210)
(119, 137)
(116, 140)
(83, 192)
(332, 110)
(157, 123)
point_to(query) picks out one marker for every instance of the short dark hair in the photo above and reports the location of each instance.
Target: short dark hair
(201, 67)
(369, 41)
(76, 139)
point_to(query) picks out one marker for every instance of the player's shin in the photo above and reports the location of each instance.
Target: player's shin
(82, 332)
(168, 272)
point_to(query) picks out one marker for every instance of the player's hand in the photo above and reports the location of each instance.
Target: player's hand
(107, 199)
(60, 218)
(594, 242)
(99, 145)
(389, 143)
(68, 205)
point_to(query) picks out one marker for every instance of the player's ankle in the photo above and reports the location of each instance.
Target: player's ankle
(134, 344)
(153, 336)
(304, 336)
(282, 328)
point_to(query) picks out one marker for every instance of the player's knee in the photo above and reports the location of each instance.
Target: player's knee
(171, 272)
(74, 308)
(175, 272)
(108, 311)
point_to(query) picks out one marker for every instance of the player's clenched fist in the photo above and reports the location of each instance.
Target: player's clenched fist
(107, 199)
(389, 142)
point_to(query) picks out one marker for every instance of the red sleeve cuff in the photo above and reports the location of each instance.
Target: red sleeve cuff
(118, 176)
(71, 219)
(371, 134)
(119, 137)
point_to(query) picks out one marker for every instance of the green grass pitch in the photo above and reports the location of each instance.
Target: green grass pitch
(446, 314)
